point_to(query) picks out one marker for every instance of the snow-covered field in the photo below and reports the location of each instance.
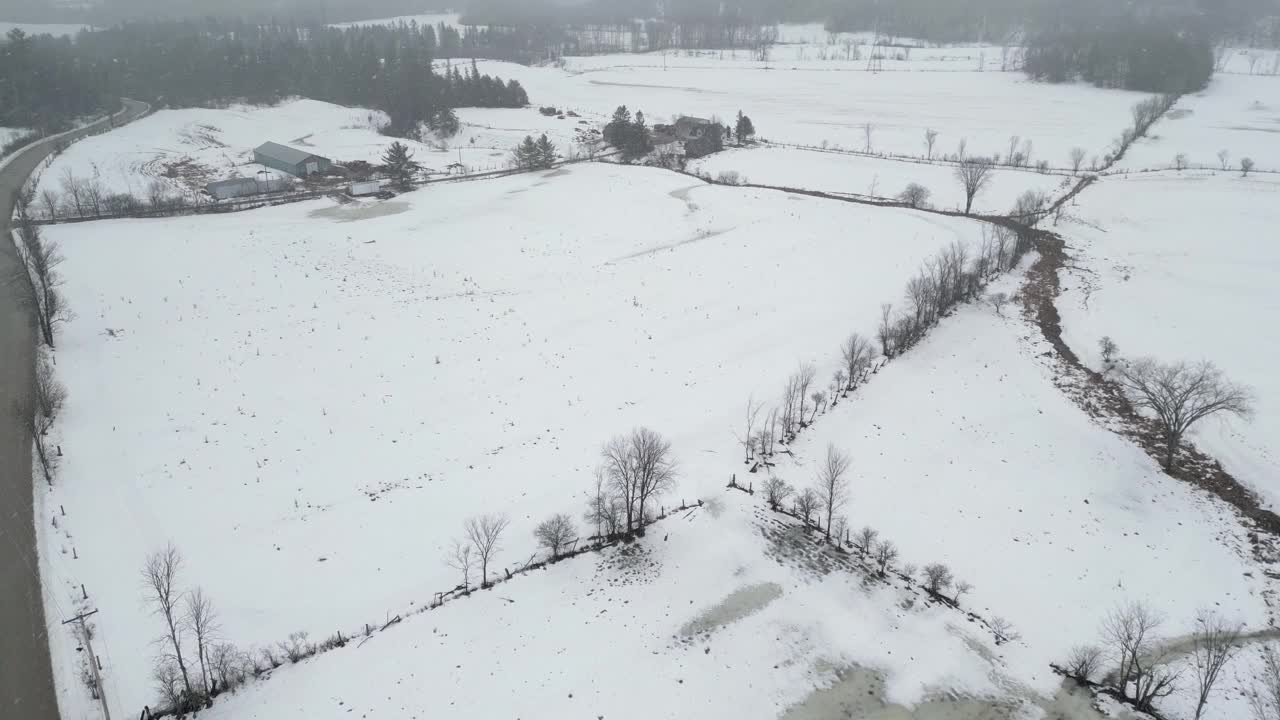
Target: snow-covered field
(331, 390)
(964, 452)
(860, 175)
(810, 107)
(1183, 267)
(187, 148)
(1236, 113)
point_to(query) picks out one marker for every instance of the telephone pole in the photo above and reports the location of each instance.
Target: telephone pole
(93, 660)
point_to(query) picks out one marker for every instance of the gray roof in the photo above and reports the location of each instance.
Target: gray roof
(230, 182)
(283, 153)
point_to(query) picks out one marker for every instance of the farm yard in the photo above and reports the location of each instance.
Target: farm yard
(308, 400)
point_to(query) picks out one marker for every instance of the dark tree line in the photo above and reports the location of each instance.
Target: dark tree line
(44, 81)
(1164, 55)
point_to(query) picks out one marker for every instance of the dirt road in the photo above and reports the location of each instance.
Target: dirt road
(26, 680)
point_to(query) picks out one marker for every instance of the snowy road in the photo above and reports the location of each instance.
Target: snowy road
(26, 685)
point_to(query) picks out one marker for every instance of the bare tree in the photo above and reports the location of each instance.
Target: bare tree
(1083, 663)
(620, 470)
(1265, 700)
(1224, 158)
(819, 399)
(1004, 630)
(168, 681)
(998, 301)
(807, 503)
(1013, 149)
(462, 558)
(804, 376)
(1214, 643)
(915, 196)
(884, 333)
(885, 554)
(1246, 164)
(160, 578)
(49, 198)
(930, 139)
(484, 532)
(974, 175)
(865, 540)
(748, 437)
(1108, 348)
(655, 469)
(867, 130)
(937, 578)
(1180, 162)
(962, 587)
(202, 621)
(1077, 159)
(1130, 631)
(960, 149)
(776, 492)
(73, 189)
(555, 533)
(833, 486)
(1181, 395)
(856, 353)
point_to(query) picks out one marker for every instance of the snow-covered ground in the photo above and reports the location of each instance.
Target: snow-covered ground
(185, 149)
(1236, 113)
(8, 134)
(963, 452)
(810, 106)
(1183, 267)
(40, 29)
(860, 175)
(308, 400)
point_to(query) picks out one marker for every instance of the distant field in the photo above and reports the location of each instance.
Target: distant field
(832, 172)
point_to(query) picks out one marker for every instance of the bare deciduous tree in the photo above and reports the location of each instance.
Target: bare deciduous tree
(937, 578)
(807, 503)
(462, 558)
(1224, 158)
(974, 176)
(833, 486)
(655, 469)
(555, 533)
(930, 139)
(1084, 662)
(1246, 165)
(915, 196)
(804, 380)
(202, 621)
(1181, 395)
(1108, 348)
(1214, 643)
(856, 353)
(865, 540)
(867, 130)
(998, 301)
(884, 333)
(960, 149)
(484, 532)
(1180, 162)
(1129, 630)
(776, 492)
(885, 555)
(962, 588)
(747, 438)
(1264, 699)
(1077, 159)
(160, 583)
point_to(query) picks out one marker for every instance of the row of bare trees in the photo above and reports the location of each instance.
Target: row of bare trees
(82, 197)
(41, 259)
(1145, 669)
(190, 624)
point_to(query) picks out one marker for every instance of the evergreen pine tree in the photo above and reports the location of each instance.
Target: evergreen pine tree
(546, 152)
(744, 129)
(527, 154)
(400, 164)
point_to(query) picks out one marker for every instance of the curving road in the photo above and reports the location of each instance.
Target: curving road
(26, 677)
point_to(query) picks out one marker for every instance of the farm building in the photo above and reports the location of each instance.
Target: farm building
(291, 160)
(241, 186)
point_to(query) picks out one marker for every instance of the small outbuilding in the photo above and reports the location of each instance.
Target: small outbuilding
(296, 162)
(243, 187)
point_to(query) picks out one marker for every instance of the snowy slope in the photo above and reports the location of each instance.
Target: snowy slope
(1183, 267)
(964, 452)
(335, 388)
(843, 173)
(1236, 113)
(187, 148)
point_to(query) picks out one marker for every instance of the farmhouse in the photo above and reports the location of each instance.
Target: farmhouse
(290, 160)
(690, 128)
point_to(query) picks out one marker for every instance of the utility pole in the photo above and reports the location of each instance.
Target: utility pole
(93, 660)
